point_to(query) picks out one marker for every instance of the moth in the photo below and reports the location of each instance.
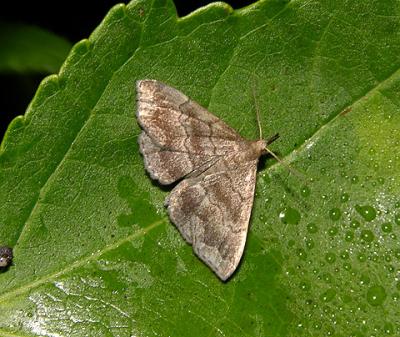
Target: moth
(214, 166)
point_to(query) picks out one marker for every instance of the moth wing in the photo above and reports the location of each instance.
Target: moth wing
(175, 122)
(212, 212)
(166, 165)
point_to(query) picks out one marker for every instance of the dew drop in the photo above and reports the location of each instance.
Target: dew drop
(347, 266)
(397, 253)
(386, 227)
(381, 180)
(305, 191)
(364, 279)
(344, 255)
(335, 214)
(376, 295)
(301, 253)
(367, 235)
(344, 197)
(310, 243)
(327, 278)
(388, 328)
(367, 212)
(317, 326)
(312, 228)
(290, 216)
(354, 224)
(328, 295)
(333, 231)
(354, 179)
(330, 257)
(362, 257)
(305, 286)
(349, 236)
(397, 218)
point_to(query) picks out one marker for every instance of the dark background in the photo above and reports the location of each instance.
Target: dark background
(73, 20)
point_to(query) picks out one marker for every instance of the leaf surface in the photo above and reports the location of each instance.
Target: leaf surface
(95, 254)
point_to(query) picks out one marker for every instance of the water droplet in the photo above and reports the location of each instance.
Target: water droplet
(354, 179)
(317, 326)
(310, 243)
(386, 227)
(328, 295)
(330, 257)
(349, 236)
(367, 235)
(347, 266)
(305, 286)
(344, 255)
(335, 214)
(397, 253)
(364, 279)
(333, 231)
(397, 218)
(305, 191)
(290, 216)
(312, 228)
(355, 224)
(367, 212)
(388, 328)
(362, 257)
(344, 197)
(381, 180)
(301, 253)
(376, 295)
(397, 204)
(327, 278)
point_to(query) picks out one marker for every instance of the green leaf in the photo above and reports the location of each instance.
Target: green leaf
(95, 253)
(30, 49)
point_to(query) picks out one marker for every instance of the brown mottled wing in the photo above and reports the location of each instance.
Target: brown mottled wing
(168, 166)
(212, 212)
(178, 135)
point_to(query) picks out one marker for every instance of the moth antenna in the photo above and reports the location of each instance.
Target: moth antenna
(272, 139)
(257, 111)
(291, 169)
